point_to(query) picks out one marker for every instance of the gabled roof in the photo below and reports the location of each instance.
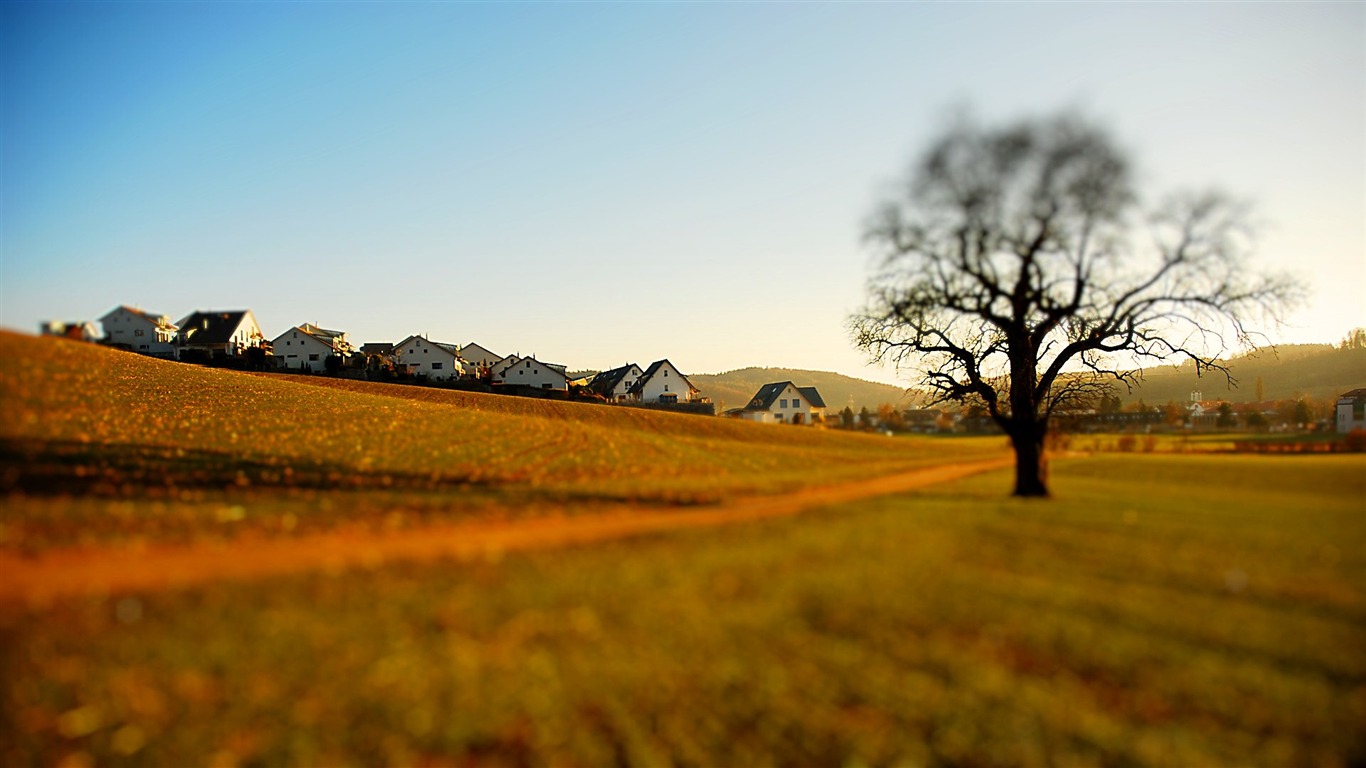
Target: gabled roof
(483, 348)
(376, 348)
(767, 394)
(812, 396)
(503, 370)
(639, 386)
(144, 314)
(1354, 394)
(322, 335)
(605, 382)
(763, 399)
(451, 349)
(212, 327)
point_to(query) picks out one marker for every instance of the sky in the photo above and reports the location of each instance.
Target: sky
(602, 183)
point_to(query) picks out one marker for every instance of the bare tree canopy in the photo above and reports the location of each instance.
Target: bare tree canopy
(1017, 267)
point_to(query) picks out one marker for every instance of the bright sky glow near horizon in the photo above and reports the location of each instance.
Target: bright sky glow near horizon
(598, 183)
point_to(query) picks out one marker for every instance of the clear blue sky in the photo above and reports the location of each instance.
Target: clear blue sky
(598, 183)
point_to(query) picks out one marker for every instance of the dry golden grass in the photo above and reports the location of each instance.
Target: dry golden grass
(99, 443)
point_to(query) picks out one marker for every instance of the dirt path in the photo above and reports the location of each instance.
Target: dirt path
(98, 571)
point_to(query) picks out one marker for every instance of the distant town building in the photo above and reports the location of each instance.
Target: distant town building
(140, 331)
(229, 333)
(529, 372)
(615, 385)
(1351, 411)
(438, 360)
(306, 348)
(78, 330)
(663, 383)
(478, 360)
(783, 402)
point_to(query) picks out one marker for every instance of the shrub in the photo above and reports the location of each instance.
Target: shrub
(1356, 441)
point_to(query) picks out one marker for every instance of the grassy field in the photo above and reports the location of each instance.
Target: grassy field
(1163, 609)
(98, 446)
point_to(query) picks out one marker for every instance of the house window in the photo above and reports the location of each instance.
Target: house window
(796, 403)
(666, 373)
(138, 332)
(666, 387)
(436, 366)
(782, 403)
(521, 373)
(545, 386)
(314, 358)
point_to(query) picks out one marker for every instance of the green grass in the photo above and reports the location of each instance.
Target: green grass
(1163, 610)
(1185, 442)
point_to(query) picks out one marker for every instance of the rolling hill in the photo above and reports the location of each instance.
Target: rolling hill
(734, 389)
(67, 401)
(1315, 371)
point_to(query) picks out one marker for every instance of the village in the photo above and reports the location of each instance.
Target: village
(233, 338)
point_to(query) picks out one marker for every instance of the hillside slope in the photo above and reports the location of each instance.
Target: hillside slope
(1316, 371)
(65, 393)
(733, 389)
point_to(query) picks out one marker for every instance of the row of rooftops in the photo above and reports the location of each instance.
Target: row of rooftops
(606, 382)
(218, 327)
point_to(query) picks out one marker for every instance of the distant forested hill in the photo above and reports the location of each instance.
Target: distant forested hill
(1316, 371)
(735, 388)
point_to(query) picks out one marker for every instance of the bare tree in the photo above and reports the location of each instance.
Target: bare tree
(1012, 273)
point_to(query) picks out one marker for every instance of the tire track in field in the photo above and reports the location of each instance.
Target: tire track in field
(97, 571)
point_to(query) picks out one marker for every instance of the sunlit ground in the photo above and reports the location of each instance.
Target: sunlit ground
(1166, 608)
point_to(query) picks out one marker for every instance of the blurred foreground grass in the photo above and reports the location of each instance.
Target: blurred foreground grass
(1168, 610)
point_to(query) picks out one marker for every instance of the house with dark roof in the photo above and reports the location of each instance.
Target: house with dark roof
(663, 383)
(381, 348)
(229, 333)
(783, 402)
(1351, 411)
(140, 331)
(615, 385)
(420, 356)
(306, 348)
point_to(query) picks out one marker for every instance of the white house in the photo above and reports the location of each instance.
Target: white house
(479, 360)
(615, 385)
(433, 359)
(229, 333)
(306, 348)
(530, 372)
(1351, 411)
(662, 383)
(785, 403)
(140, 331)
(78, 330)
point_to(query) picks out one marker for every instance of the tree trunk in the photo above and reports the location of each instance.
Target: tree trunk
(1030, 463)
